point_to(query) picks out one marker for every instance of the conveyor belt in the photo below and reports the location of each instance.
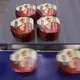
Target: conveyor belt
(46, 69)
(68, 12)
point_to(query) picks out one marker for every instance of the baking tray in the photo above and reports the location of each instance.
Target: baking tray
(46, 69)
(68, 12)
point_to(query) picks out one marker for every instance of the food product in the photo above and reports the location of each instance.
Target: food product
(24, 60)
(46, 9)
(23, 28)
(69, 61)
(26, 10)
(48, 28)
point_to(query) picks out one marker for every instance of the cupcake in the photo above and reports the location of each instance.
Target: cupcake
(48, 28)
(24, 60)
(23, 29)
(26, 10)
(46, 9)
(68, 61)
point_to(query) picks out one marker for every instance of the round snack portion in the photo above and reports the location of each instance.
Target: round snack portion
(26, 10)
(68, 61)
(24, 60)
(46, 9)
(48, 28)
(23, 29)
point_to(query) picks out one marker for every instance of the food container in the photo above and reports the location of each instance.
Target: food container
(48, 28)
(24, 60)
(68, 61)
(26, 10)
(46, 9)
(23, 29)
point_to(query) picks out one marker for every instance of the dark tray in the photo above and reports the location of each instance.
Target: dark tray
(46, 69)
(68, 12)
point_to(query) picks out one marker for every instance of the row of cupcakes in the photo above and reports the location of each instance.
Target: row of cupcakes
(48, 24)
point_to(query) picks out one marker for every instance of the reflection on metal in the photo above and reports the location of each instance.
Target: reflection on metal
(72, 46)
(44, 47)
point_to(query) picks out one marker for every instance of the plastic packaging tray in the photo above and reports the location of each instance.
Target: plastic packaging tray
(46, 69)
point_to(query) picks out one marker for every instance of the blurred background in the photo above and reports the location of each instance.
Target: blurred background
(4, 4)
